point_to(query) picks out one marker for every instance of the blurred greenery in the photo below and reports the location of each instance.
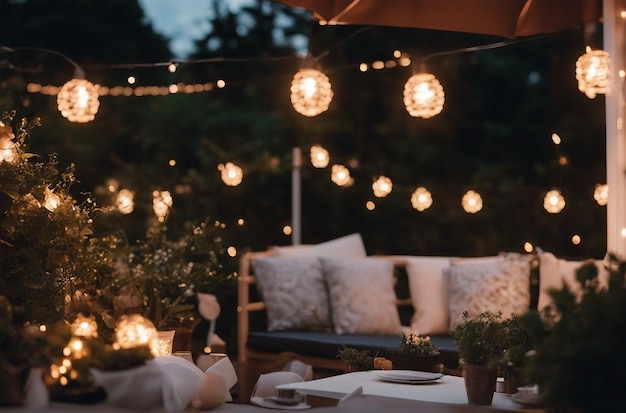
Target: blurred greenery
(502, 105)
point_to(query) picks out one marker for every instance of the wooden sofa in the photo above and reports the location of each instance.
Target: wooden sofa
(319, 349)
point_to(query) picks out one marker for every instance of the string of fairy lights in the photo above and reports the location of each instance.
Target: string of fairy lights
(311, 94)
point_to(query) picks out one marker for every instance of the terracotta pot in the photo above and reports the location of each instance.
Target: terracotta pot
(480, 383)
(13, 379)
(420, 363)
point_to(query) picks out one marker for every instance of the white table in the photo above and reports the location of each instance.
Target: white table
(448, 390)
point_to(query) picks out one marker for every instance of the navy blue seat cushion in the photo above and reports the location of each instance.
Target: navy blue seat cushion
(327, 345)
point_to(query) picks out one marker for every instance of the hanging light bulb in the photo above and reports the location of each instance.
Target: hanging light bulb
(319, 156)
(421, 199)
(554, 202)
(423, 96)
(311, 92)
(382, 186)
(593, 72)
(51, 200)
(232, 175)
(472, 202)
(601, 194)
(77, 100)
(340, 175)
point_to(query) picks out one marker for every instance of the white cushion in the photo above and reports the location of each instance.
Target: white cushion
(554, 272)
(501, 285)
(429, 294)
(346, 246)
(294, 292)
(362, 296)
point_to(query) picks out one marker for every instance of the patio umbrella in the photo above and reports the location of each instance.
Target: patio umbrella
(505, 18)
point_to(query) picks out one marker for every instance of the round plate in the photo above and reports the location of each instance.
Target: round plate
(408, 376)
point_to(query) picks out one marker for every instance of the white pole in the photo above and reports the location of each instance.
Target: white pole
(615, 45)
(296, 208)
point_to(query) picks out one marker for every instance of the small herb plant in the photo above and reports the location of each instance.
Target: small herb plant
(358, 358)
(481, 340)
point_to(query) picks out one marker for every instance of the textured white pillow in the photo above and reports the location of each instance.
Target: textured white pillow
(429, 294)
(346, 246)
(294, 292)
(553, 272)
(497, 286)
(362, 296)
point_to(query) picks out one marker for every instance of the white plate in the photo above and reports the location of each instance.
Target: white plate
(408, 376)
(527, 399)
(269, 403)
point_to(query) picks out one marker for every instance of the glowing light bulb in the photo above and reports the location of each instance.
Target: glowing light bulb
(382, 186)
(553, 202)
(472, 202)
(421, 199)
(423, 95)
(311, 92)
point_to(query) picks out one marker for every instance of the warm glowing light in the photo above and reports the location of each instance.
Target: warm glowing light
(172, 162)
(162, 344)
(554, 202)
(601, 194)
(382, 186)
(319, 156)
(423, 96)
(135, 330)
(370, 205)
(556, 139)
(231, 251)
(232, 175)
(311, 92)
(221, 84)
(340, 175)
(172, 67)
(421, 199)
(125, 201)
(593, 72)
(161, 204)
(241, 222)
(287, 230)
(77, 100)
(528, 247)
(576, 239)
(131, 80)
(84, 326)
(51, 200)
(472, 202)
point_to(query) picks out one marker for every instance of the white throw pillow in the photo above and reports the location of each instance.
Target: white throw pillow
(346, 246)
(553, 272)
(294, 292)
(429, 294)
(362, 296)
(502, 285)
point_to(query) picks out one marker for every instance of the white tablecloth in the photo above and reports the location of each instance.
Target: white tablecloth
(448, 390)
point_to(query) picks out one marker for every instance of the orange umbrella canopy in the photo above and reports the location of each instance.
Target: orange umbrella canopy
(505, 18)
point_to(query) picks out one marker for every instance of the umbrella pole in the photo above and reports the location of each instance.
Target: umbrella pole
(296, 197)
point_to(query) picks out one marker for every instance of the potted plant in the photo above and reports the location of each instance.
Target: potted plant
(579, 363)
(417, 353)
(165, 273)
(356, 360)
(481, 342)
(520, 344)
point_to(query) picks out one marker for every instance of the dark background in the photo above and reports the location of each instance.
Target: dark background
(493, 136)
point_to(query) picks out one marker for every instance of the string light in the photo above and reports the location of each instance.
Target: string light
(125, 201)
(601, 194)
(340, 175)
(231, 174)
(472, 202)
(77, 100)
(7, 146)
(51, 200)
(382, 186)
(554, 202)
(423, 96)
(421, 199)
(319, 156)
(161, 204)
(311, 92)
(593, 72)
